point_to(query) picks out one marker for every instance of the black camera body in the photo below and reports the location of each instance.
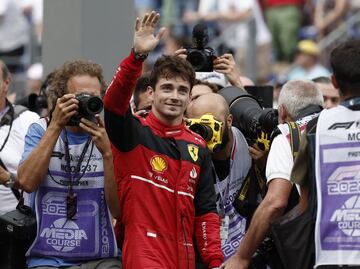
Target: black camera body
(201, 57)
(89, 106)
(17, 232)
(20, 224)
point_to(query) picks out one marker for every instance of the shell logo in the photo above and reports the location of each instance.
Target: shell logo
(158, 164)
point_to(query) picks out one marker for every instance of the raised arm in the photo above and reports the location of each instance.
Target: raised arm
(117, 97)
(118, 117)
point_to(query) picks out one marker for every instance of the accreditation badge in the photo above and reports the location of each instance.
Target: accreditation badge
(224, 229)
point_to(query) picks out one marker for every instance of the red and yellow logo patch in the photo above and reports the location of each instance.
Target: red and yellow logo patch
(158, 164)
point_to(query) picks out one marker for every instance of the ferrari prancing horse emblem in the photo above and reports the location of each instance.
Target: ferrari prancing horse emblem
(193, 151)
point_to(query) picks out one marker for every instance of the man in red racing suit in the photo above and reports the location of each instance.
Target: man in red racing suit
(163, 170)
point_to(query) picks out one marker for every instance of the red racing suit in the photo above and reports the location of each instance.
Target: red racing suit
(165, 184)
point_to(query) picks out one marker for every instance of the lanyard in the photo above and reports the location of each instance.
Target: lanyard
(224, 196)
(76, 178)
(71, 199)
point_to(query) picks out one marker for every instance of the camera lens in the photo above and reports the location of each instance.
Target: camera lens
(203, 130)
(94, 105)
(269, 119)
(197, 59)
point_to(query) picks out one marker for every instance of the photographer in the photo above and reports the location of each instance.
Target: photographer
(299, 101)
(67, 166)
(14, 122)
(162, 168)
(231, 159)
(224, 64)
(327, 179)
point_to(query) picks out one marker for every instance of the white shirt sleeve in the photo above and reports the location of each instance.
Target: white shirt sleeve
(280, 161)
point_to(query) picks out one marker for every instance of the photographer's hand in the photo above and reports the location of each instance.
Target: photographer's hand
(226, 65)
(98, 134)
(28, 177)
(144, 38)
(258, 155)
(181, 53)
(66, 106)
(4, 175)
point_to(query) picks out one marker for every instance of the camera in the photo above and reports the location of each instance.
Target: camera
(38, 102)
(200, 57)
(19, 224)
(264, 255)
(17, 232)
(256, 123)
(89, 106)
(209, 129)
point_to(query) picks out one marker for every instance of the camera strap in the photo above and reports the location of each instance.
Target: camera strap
(295, 134)
(10, 115)
(16, 192)
(294, 138)
(225, 195)
(71, 199)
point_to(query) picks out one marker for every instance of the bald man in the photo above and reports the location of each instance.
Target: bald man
(232, 163)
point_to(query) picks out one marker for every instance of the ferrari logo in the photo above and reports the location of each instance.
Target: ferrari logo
(193, 151)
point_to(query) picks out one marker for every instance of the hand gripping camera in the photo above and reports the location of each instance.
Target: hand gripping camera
(89, 106)
(201, 57)
(209, 129)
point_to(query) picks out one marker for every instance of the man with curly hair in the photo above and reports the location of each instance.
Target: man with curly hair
(73, 188)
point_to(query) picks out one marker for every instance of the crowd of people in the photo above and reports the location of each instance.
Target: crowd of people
(169, 177)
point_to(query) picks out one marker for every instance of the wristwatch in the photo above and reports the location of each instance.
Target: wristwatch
(140, 56)
(10, 182)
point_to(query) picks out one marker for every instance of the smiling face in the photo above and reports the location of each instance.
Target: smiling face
(171, 97)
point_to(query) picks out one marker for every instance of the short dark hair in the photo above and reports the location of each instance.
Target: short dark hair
(322, 80)
(345, 62)
(58, 86)
(141, 86)
(170, 67)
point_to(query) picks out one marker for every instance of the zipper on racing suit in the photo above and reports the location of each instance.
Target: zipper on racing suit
(185, 241)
